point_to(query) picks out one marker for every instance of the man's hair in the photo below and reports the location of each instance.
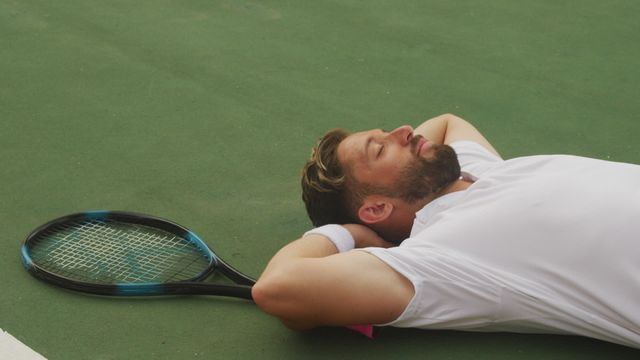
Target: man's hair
(324, 183)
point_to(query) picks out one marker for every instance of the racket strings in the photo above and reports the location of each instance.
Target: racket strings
(108, 252)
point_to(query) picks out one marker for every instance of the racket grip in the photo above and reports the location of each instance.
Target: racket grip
(197, 288)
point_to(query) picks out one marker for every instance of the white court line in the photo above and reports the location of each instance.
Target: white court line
(12, 349)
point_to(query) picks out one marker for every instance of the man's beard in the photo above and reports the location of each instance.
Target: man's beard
(424, 177)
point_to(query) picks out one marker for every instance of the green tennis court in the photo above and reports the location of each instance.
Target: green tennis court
(203, 112)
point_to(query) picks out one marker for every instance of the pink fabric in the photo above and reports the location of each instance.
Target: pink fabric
(366, 330)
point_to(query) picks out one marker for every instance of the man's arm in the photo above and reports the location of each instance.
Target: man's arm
(308, 284)
(448, 128)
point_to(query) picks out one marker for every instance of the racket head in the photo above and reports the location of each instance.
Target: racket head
(117, 253)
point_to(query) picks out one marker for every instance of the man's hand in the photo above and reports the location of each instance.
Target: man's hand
(365, 237)
(448, 128)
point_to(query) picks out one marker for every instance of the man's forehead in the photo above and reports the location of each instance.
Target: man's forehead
(351, 151)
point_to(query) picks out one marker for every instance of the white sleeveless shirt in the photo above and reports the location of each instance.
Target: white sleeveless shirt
(543, 244)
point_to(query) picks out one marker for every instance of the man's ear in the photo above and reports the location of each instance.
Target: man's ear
(374, 210)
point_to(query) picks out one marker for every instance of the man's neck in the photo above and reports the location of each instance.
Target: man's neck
(399, 226)
(457, 185)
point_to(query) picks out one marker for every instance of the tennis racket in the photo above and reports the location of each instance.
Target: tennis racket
(127, 254)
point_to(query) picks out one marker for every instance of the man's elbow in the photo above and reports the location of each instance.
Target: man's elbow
(272, 294)
(265, 295)
(448, 117)
(275, 296)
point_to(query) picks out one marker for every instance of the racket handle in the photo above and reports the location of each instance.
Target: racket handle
(198, 288)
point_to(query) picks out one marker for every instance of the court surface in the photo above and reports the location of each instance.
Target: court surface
(203, 112)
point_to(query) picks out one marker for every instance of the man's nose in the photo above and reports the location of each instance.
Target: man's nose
(403, 134)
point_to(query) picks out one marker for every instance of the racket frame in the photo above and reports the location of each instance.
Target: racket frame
(192, 286)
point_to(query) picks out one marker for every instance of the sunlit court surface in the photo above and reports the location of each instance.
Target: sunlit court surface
(204, 112)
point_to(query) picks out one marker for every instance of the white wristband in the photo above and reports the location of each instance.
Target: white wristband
(338, 235)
